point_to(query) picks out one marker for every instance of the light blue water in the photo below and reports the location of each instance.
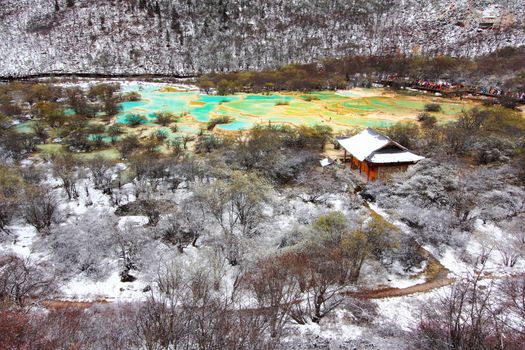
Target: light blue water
(188, 129)
(358, 105)
(155, 101)
(246, 110)
(178, 103)
(375, 123)
(237, 125)
(26, 127)
(202, 113)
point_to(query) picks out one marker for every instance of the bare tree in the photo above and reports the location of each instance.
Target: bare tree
(236, 203)
(186, 313)
(9, 207)
(22, 282)
(152, 211)
(466, 317)
(275, 290)
(177, 234)
(129, 244)
(317, 277)
(513, 291)
(40, 208)
(316, 186)
(100, 172)
(65, 169)
(187, 224)
(11, 191)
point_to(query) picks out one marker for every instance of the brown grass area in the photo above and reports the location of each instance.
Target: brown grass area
(68, 304)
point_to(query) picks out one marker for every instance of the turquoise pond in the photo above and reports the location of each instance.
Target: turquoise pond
(340, 110)
(358, 108)
(200, 107)
(246, 110)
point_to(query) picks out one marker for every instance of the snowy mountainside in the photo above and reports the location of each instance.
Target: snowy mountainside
(194, 36)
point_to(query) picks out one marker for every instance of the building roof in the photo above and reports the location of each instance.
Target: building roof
(394, 156)
(375, 147)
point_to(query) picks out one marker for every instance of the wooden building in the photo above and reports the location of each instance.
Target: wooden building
(375, 155)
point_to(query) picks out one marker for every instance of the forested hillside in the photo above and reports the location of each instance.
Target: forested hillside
(195, 36)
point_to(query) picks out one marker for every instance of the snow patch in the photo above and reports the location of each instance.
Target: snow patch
(84, 289)
(23, 236)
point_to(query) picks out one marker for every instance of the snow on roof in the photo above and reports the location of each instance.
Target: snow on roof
(365, 143)
(394, 156)
(369, 144)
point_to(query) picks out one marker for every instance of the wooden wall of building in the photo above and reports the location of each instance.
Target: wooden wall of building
(375, 172)
(386, 171)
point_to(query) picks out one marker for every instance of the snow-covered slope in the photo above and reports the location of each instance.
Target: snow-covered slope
(187, 37)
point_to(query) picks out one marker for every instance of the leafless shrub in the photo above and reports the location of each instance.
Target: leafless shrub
(40, 208)
(65, 169)
(186, 313)
(275, 291)
(100, 172)
(22, 282)
(474, 314)
(315, 186)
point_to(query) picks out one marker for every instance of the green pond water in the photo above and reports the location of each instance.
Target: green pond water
(105, 139)
(246, 110)
(50, 149)
(250, 109)
(25, 128)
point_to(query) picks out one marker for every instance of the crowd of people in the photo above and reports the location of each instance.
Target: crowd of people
(445, 86)
(439, 85)
(496, 91)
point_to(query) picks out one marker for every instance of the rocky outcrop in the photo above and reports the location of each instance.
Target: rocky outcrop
(188, 37)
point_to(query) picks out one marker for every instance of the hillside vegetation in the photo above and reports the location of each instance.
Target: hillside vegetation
(247, 238)
(190, 37)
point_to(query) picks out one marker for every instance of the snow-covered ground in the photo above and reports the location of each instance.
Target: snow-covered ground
(87, 217)
(110, 289)
(27, 242)
(20, 240)
(187, 38)
(126, 84)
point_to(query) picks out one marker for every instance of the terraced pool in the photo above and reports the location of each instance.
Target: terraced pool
(354, 108)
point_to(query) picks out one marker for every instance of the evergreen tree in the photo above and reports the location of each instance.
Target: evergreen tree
(175, 23)
(157, 8)
(151, 10)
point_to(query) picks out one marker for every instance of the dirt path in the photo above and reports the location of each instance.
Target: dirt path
(400, 292)
(436, 277)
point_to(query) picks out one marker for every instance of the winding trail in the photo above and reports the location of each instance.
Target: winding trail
(437, 278)
(401, 292)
